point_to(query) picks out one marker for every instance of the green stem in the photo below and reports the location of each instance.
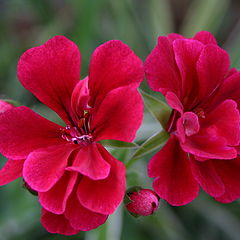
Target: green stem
(150, 145)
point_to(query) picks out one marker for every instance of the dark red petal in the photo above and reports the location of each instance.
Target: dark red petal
(187, 52)
(174, 179)
(229, 174)
(80, 217)
(51, 72)
(212, 66)
(228, 90)
(56, 198)
(226, 118)
(80, 97)
(219, 132)
(23, 131)
(161, 70)
(205, 37)
(207, 177)
(180, 130)
(119, 116)
(104, 196)
(44, 167)
(11, 171)
(90, 163)
(54, 223)
(174, 102)
(113, 65)
(208, 144)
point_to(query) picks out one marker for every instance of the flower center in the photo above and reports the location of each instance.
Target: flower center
(80, 133)
(199, 112)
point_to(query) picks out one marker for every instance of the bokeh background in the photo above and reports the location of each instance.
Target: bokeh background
(89, 23)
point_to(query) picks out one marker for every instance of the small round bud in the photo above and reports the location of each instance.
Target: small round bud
(141, 202)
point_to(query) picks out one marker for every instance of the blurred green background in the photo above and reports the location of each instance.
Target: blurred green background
(28, 23)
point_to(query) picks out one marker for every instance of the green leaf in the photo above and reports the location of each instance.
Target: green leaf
(118, 144)
(12, 102)
(159, 109)
(133, 178)
(149, 146)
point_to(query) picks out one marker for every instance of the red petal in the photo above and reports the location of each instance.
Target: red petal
(51, 72)
(206, 175)
(113, 65)
(212, 66)
(80, 97)
(119, 116)
(175, 182)
(205, 37)
(11, 171)
(23, 131)
(174, 102)
(44, 167)
(187, 125)
(4, 106)
(226, 118)
(161, 70)
(191, 124)
(219, 132)
(229, 174)
(90, 163)
(228, 90)
(207, 144)
(54, 223)
(231, 72)
(173, 36)
(186, 54)
(56, 198)
(81, 218)
(104, 196)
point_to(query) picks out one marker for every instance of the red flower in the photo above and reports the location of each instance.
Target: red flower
(78, 182)
(142, 202)
(194, 76)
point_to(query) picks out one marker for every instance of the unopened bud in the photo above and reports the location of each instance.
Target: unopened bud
(141, 202)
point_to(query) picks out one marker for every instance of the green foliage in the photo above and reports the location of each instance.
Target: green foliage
(150, 145)
(118, 144)
(159, 109)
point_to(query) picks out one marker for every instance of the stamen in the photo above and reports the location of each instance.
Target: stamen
(71, 134)
(200, 113)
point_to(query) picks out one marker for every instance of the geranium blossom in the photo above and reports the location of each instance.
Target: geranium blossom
(195, 77)
(78, 182)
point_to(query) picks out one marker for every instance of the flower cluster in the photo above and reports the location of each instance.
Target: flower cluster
(195, 77)
(78, 182)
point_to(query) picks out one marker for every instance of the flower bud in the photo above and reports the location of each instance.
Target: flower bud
(141, 202)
